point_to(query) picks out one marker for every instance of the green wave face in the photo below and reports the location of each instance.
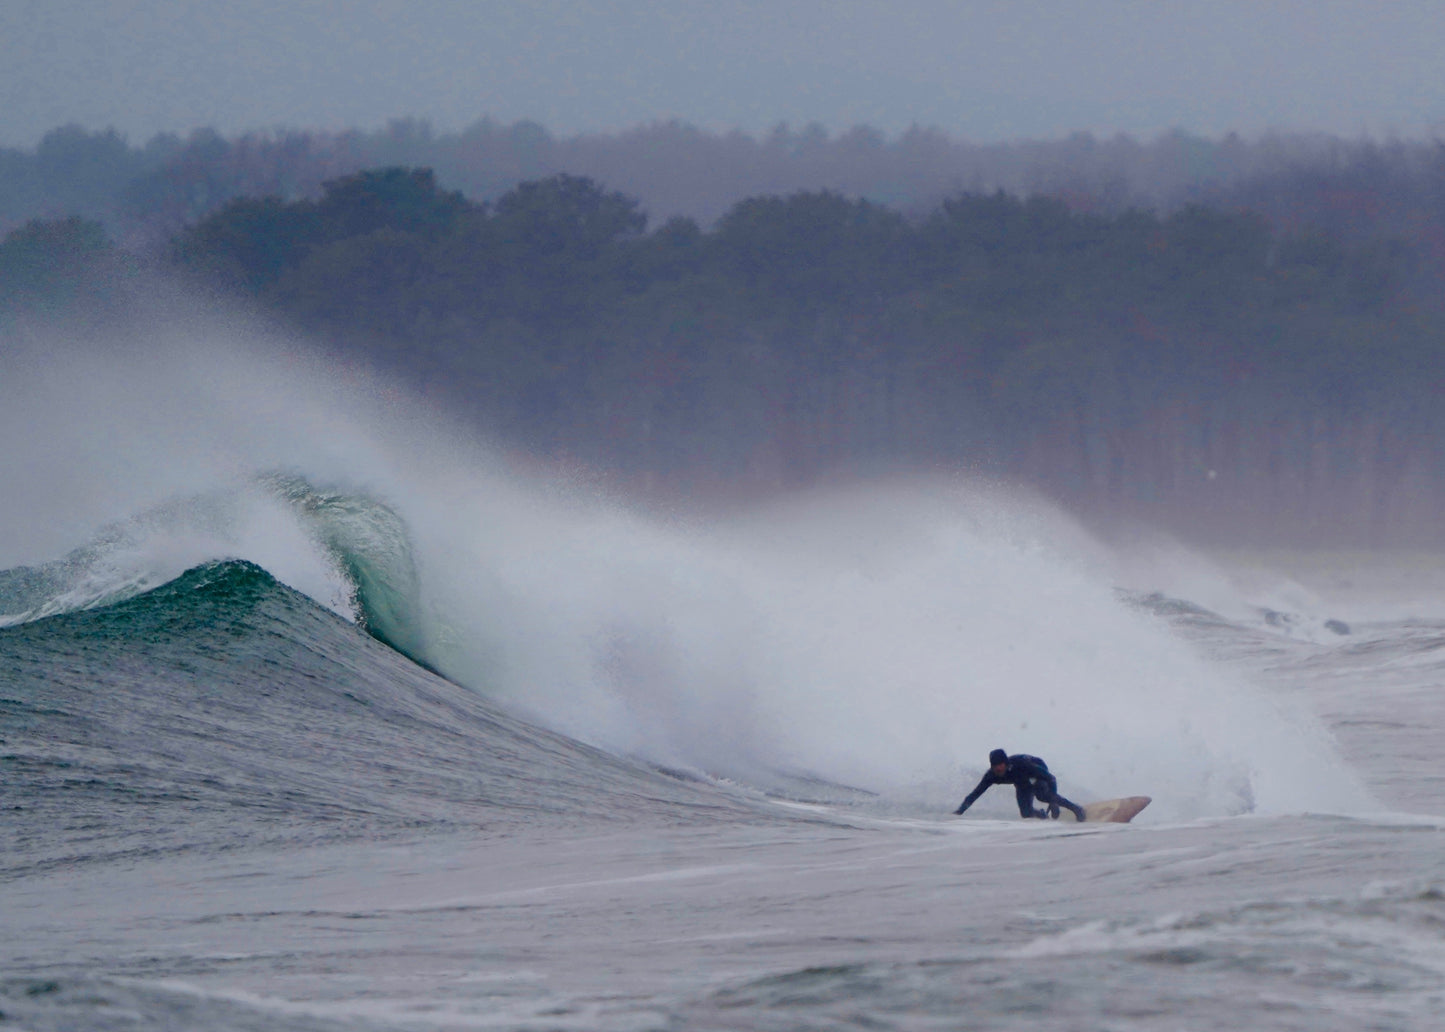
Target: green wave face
(225, 708)
(124, 558)
(360, 545)
(369, 542)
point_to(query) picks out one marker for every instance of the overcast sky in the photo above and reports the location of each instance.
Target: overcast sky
(982, 71)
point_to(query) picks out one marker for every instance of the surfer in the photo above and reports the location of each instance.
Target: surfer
(1031, 780)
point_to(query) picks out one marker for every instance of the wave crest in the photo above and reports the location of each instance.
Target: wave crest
(348, 551)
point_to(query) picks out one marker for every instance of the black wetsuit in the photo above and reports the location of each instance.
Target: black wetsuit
(1031, 779)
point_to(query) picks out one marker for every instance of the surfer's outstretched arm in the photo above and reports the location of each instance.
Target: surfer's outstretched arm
(973, 796)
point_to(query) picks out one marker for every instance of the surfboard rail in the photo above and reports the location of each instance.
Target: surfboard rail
(1112, 811)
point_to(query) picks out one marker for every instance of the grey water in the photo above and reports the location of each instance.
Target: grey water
(320, 726)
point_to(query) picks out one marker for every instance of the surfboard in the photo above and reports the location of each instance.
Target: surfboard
(1112, 811)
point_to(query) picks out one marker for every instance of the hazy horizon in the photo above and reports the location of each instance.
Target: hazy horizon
(983, 72)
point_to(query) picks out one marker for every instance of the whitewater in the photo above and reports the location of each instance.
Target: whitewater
(317, 713)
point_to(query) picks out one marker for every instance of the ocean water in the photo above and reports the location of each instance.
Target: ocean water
(315, 714)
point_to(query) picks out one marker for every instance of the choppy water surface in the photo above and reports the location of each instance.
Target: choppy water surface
(227, 807)
(372, 735)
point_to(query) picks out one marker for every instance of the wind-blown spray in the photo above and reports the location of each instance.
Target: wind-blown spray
(883, 636)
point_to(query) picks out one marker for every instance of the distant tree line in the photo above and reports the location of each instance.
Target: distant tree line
(1268, 355)
(144, 194)
(1197, 367)
(58, 268)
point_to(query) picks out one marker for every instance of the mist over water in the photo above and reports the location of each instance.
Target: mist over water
(884, 636)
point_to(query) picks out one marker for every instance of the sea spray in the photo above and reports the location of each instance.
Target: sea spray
(153, 547)
(884, 635)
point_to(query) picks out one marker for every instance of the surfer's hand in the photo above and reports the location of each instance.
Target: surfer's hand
(959, 812)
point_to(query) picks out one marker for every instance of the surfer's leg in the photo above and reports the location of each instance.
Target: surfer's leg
(1078, 810)
(1047, 797)
(1024, 792)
